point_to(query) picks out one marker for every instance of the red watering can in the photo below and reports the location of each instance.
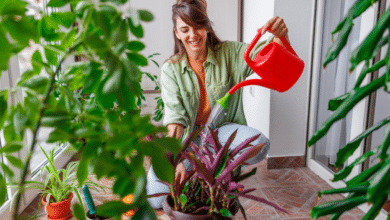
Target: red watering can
(278, 67)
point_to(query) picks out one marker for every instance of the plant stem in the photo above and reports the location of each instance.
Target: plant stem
(35, 131)
(174, 198)
(212, 200)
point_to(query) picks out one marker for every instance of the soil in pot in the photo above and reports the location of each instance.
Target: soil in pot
(203, 215)
(59, 210)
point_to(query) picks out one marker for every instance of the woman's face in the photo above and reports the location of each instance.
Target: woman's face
(194, 40)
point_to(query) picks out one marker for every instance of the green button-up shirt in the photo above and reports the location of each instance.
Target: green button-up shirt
(224, 68)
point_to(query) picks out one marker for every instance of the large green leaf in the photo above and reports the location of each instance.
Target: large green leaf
(18, 27)
(113, 208)
(82, 171)
(57, 3)
(135, 46)
(355, 96)
(334, 206)
(3, 189)
(379, 183)
(13, 7)
(349, 149)
(137, 31)
(6, 51)
(78, 211)
(145, 15)
(65, 19)
(137, 59)
(3, 107)
(16, 162)
(12, 147)
(37, 83)
(20, 121)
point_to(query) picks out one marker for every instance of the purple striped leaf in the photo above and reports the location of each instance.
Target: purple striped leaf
(258, 199)
(247, 154)
(217, 145)
(243, 145)
(234, 186)
(222, 152)
(201, 169)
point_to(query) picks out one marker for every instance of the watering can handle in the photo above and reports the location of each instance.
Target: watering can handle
(257, 37)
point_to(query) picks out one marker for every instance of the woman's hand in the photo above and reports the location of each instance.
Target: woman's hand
(175, 130)
(180, 172)
(277, 27)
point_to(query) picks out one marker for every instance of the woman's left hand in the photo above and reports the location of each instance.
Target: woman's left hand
(277, 27)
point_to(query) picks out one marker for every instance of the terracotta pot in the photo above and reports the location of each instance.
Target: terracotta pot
(169, 210)
(59, 210)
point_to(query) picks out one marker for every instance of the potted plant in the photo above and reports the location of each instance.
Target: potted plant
(212, 188)
(57, 187)
(93, 105)
(372, 185)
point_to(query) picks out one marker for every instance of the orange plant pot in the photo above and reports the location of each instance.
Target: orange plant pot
(59, 210)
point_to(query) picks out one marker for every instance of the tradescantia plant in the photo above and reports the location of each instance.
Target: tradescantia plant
(372, 185)
(212, 186)
(91, 105)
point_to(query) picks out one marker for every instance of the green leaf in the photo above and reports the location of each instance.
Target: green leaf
(37, 61)
(135, 46)
(53, 121)
(16, 162)
(37, 83)
(226, 213)
(355, 96)
(20, 121)
(82, 171)
(336, 102)
(183, 200)
(16, 28)
(57, 3)
(58, 135)
(334, 206)
(113, 208)
(347, 150)
(65, 19)
(13, 7)
(145, 15)
(12, 147)
(3, 107)
(123, 186)
(119, 36)
(6, 51)
(137, 31)
(137, 59)
(48, 29)
(78, 212)
(51, 56)
(3, 189)
(379, 183)
(145, 212)
(7, 171)
(161, 165)
(69, 38)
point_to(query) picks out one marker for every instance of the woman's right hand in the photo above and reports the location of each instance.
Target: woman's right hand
(175, 130)
(180, 172)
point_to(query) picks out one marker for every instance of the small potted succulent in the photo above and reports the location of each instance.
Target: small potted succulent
(57, 188)
(212, 188)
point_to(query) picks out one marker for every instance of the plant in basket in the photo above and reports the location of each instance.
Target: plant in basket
(211, 189)
(57, 187)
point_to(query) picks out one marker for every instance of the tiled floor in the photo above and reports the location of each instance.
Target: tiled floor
(293, 189)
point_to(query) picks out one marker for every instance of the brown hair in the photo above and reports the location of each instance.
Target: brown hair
(193, 13)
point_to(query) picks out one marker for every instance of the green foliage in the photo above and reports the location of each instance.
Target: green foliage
(89, 105)
(371, 185)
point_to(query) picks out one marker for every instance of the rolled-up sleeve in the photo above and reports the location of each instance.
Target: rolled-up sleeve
(174, 111)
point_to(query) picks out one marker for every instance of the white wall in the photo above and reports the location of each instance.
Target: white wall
(288, 117)
(256, 99)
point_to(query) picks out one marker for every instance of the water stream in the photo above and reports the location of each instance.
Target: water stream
(217, 117)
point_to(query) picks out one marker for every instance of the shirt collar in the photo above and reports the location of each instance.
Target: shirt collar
(210, 59)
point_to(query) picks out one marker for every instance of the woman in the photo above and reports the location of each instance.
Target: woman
(202, 70)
